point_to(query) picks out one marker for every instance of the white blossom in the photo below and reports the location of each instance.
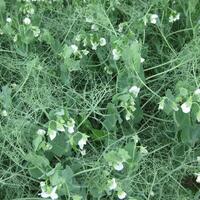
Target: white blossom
(128, 116)
(36, 31)
(94, 45)
(70, 126)
(112, 184)
(161, 104)
(52, 134)
(142, 60)
(120, 27)
(198, 178)
(121, 195)
(8, 19)
(186, 107)
(82, 142)
(48, 191)
(4, 113)
(173, 18)
(41, 132)
(85, 52)
(116, 54)
(119, 166)
(26, 21)
(134, 90)
(94, 27)
(74, 48)
(102, 42)
(197, 92)
(153, 18)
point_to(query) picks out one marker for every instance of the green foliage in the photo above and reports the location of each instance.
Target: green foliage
(99, 99)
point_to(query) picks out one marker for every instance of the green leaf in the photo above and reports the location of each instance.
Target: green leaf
(111, 118)
(36, 142)
(5, 97)
(2, 6)
(59, 145)
(131, 56)
(39, 164)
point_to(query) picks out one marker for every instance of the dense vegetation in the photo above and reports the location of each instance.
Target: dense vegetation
(100, 99)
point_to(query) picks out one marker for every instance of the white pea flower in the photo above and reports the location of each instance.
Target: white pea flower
(198, 178)
(142, 60)
(134, 90)
(94, 45)
(102, 42)
(48, 191)
(41, 132)
(60, 127)
(120, 27)
(85, 52)
(78, 38)
(82, 142)
(74, 48)
(153, 18)
(128, 116)
(89, 19)
(15, 38)
(36, 31)
(161, 104)
(116, 54)
(52, 134)
(197, 92)
(83, 152)
(152, 193)
(121, 195)
(173, 18)
(143, 150)
(186, 107)
(70, 126)
(26, 21)
(31, 11)
(94, 27)
(198, 159)
(119, 166)
(112, 184)
(8, 19)
(198, 116)
(4, 113)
